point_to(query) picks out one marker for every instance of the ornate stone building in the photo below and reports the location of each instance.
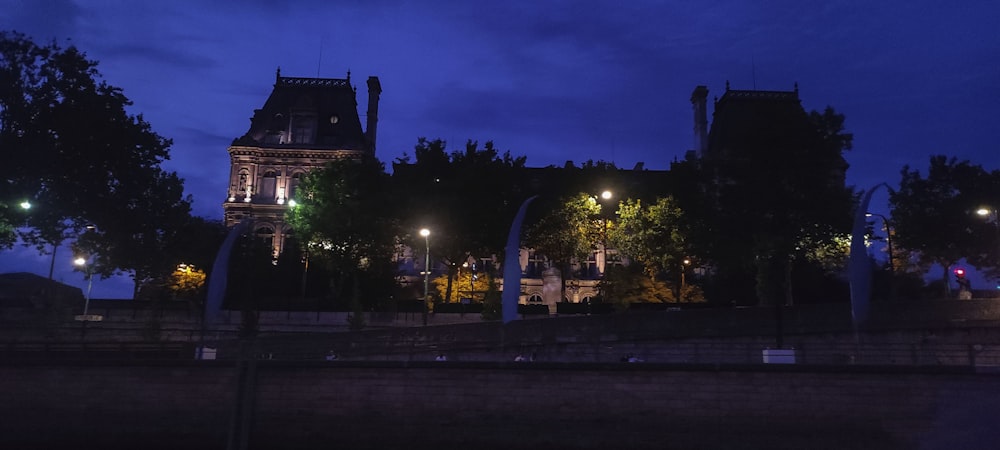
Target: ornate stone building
(305, 123)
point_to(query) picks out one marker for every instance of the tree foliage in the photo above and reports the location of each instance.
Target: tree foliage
(343, 219)
(781, 184)
(567, 233)
(91, 170)
(935, 215)
(652, 235)
(465, 198)
(459, 195)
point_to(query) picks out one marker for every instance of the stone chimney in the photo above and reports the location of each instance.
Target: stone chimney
(374, 91)
(699, 99)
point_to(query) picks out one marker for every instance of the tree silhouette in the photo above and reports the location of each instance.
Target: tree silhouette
(935, 215)
(91, 170)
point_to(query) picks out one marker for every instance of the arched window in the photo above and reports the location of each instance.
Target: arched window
(535, 298)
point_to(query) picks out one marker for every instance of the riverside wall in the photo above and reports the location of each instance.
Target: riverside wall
(345, 404)
(127, 320)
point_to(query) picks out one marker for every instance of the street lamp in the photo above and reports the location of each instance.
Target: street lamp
(427, 267)
(85, 317)
(472, 279)
(990, 214)
(684, 265)
(606, 195)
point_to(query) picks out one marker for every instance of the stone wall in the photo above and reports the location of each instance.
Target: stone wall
(198, 405)
(130, 320)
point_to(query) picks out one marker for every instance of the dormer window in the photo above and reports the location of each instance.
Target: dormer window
(273, 137)
(303, 129)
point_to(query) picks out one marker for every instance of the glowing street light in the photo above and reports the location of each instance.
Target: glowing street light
(85, 317)
(605, 196)
(427, 267)
(990, 214)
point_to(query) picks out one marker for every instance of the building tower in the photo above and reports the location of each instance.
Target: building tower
(699, 101)
(305, 123)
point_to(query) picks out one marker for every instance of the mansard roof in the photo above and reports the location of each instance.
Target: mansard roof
(329, 105)
(746, 119)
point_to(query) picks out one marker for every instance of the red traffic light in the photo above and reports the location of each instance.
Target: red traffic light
(960, 272)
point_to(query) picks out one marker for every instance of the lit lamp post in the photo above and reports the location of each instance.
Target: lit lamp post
(684, 265)
(85, 317)
(606, 195)
(990, 214)
(427, 267)
(472, 279)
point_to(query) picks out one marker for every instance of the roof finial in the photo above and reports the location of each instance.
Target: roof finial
(348, 75)
(727, 85)
(796, 87)
(277, 75)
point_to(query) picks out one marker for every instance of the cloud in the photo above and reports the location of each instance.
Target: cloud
(41, 21)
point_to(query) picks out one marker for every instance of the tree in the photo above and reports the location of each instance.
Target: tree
(465, 198)
(776, 182)
(187, 282)
(566, 234)
(630, 284)
(186, 260)
(654, 237)
(91, 170)
(341, 220)
(936, 216)
(465, 285)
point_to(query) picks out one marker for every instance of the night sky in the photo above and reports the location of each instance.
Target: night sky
(553, 81)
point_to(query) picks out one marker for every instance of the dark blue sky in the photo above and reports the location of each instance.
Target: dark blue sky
(554, 81)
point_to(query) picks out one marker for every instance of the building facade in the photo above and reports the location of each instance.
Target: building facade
(308, 122)
(305, 123)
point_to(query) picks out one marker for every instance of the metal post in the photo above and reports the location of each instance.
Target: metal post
(427, 268)
(90, 284)
(606, 195)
